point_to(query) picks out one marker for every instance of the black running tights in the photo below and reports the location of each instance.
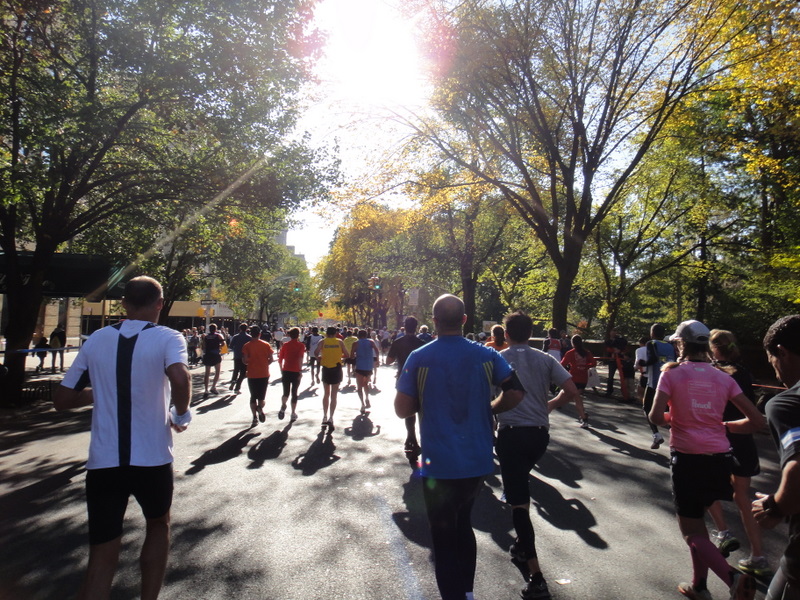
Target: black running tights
(449, 506)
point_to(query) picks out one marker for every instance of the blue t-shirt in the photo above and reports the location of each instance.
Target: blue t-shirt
(454, 378)
(365, 357)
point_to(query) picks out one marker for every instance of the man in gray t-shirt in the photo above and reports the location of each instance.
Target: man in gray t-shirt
(523, 435)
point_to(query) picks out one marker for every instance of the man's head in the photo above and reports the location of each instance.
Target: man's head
(782, 343)
(657, 331)
(410, 325)
(448, 314)
(331, 331)
(243, 327)
(294, 333)
(519, 327)
(255, 331)
(142, 294)
(423, 329)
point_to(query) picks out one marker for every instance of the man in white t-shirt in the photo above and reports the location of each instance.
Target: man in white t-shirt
(130, 372)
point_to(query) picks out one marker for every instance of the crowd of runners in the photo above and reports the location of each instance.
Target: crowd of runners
(476, 399)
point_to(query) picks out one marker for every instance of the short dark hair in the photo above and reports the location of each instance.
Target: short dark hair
(142, 292)
(362, 333)
(255, 331)
(331, 331)
(410, 324)
(243, 326)
(657, 331)
(519, 326)
(784, 332)
(294, 333)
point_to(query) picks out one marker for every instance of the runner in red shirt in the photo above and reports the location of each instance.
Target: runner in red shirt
(290, 361)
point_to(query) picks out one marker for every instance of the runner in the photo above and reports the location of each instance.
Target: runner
(659, 353)
(364, 353)
(399, 352)
(290, 361)
(578, 361)
(257, 356)
(212, 357)
(782, 344)
(498, 341)
(349, 340)
(696, 395)
(331, 353)
(523, 436)
(726, 355)
(313, 362)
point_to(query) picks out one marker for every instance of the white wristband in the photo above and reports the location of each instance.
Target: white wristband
(180, 420)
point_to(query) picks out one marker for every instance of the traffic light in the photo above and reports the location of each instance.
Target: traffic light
(296, 286)
(375, 283)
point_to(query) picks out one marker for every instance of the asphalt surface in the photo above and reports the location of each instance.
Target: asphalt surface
(284, 512)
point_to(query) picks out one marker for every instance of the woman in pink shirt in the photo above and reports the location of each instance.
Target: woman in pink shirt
(694, 394)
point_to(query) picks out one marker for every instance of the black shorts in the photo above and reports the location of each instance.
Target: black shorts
(258, 388)
(746, 455)
(108, 490)
(580, 386)
(519, 449)
(363, 373)
(699, 480)
(642, 381)
(332, 375)
(210, 360)
(349, 361)
(290, 378)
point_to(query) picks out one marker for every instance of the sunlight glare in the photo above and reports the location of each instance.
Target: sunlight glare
(372, 57)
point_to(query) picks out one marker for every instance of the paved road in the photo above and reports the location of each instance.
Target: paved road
(284, 512)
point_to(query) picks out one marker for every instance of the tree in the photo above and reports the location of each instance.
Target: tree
(97, 97)
(556, 102)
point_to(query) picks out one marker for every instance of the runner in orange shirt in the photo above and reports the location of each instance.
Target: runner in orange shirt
(257, 356)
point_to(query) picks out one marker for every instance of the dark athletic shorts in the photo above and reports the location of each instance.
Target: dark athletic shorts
(746, 455)
(519, 449)
(108, 490)
(349, 361)
(258, 388)
(288, 378)
(210, 360)
(332, 375)
(642, 381)
(698, 480)
(364, 373)
(580, 386)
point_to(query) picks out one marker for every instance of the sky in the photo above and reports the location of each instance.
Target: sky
(371, 62)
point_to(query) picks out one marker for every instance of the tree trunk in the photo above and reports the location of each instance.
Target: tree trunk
(24, 295)
(468, 287)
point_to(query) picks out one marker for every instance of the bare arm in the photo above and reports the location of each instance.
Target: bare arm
(657, 415)
(786, 500)
(345, 353)
(569, 393)
(181, 383)
(66, 398)
(754, 421)
(405, 405)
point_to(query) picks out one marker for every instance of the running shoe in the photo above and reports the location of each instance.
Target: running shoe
(536, 591)
(688, 590)
(213, 390)
(743, 587)
(585, 422)
(658, 439)
(282, 412)
(293, 417)
(755, 566)
(725, 542)
(261, 416)
(330, 426)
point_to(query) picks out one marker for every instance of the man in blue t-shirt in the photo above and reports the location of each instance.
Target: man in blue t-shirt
(782, 344)
(659, 353)
(450, 382)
